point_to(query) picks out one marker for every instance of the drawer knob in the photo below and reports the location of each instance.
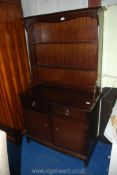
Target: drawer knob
(86, 127)
(33, 104)
(45, 124)
(67, 113)
(56, 129)
(62, 18)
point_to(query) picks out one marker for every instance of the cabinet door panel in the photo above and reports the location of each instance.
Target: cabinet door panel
(32, 123)
(38, 125)
(66, 111)
(45, 130)
(69, 134)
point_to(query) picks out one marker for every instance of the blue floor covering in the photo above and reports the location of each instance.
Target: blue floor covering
(39, 159)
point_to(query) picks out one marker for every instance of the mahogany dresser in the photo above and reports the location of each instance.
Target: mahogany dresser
(61, 109)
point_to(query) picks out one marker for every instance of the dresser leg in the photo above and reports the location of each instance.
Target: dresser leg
(28, 139)
(86, 163)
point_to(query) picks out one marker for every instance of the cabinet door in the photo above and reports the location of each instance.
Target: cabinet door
(69, 134)
(38, 125)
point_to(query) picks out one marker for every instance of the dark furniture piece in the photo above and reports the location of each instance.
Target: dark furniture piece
(61, 109)
(65, 119)
(14, 68)
(14, 78)
(94, 3)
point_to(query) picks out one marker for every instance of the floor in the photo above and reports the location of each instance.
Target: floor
(39, 159)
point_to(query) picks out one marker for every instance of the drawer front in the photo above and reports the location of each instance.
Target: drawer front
(29, 102)
(66, 111)
(69, 134)
(33, 104)
(38, 125)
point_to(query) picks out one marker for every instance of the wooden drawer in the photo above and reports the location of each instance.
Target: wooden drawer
(66, 111)
(38, 125)
(33, 103)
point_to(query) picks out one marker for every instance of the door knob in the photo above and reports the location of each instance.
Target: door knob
(45, 124)
(56, 129)
(67, 113)
(33, 104)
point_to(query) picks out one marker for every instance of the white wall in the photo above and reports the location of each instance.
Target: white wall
(109, 66)
(109, 63)
(108, 2)
(35, 7)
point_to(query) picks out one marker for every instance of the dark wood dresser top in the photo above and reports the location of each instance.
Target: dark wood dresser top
(64, 96)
